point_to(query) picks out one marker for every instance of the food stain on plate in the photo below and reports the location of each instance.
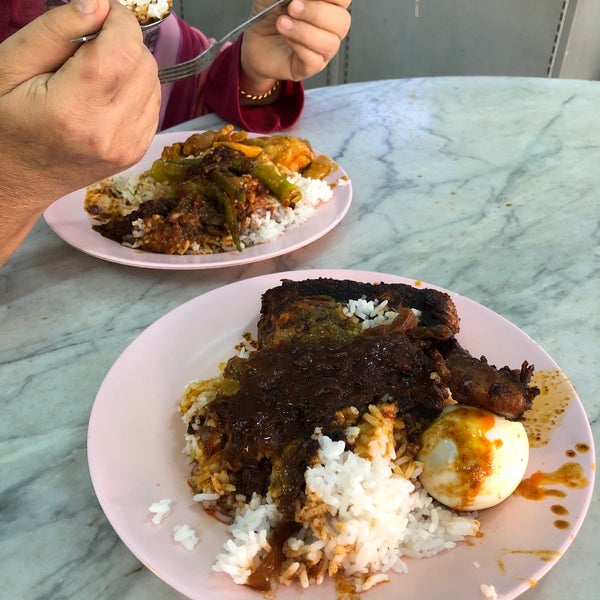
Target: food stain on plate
(548, 556)
(549, 407)
(546, 414)
(540, 422)
(535, 487)
(543, 555)
(560, 511)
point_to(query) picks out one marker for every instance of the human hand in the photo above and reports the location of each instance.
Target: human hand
(293, 46)
(70, 114)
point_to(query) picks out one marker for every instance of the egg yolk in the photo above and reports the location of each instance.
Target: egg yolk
(472, 459)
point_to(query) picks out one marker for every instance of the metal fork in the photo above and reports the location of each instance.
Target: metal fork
(205, 59)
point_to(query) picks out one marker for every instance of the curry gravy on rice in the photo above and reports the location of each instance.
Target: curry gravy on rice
(217, 191)
(306, 442)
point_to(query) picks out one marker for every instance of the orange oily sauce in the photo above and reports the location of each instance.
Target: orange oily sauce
(546, 414)
(535, 487)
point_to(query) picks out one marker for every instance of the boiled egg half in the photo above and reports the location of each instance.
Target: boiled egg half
(472, 459)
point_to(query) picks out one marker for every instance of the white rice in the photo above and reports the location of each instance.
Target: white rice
(370, 520)
(161, 509)
(488, 591)
(186, 536)
(248, 543)
(268, 227)
(183, 534)
(370, 313)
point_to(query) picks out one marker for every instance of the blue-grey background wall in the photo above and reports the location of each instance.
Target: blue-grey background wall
(415, 38)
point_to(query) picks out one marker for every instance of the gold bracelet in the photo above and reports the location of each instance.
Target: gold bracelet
(258, 97)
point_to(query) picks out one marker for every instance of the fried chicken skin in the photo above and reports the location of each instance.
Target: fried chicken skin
(475, 382)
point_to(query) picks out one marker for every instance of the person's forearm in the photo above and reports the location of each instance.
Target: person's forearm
(16, 221)
(24, 195)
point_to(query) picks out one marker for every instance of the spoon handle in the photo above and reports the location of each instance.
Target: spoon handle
(90, 36)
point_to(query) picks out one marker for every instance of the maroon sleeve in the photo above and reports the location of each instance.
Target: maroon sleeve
(221, 96)
(16, 15)
(181, 100)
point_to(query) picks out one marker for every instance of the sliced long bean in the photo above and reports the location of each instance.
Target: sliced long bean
(285, 191)
(230, 184)
(226, 203)
(174, 171)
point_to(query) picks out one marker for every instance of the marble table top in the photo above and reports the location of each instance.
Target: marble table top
(489, 187)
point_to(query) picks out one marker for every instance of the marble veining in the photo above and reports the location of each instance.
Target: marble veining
(485, 186)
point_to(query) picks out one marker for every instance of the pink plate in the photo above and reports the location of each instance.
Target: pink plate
(68, 219)
(136, 438)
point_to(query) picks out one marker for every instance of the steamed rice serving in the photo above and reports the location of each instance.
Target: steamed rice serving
(358, 511)
(362, 516)
(214, 192)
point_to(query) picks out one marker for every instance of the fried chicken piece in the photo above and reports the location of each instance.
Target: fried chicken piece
(475, 382)
(307, 308)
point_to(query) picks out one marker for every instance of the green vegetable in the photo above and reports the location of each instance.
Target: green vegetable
(285, 191)
(212, 191)
(174, 171)
(230, 184)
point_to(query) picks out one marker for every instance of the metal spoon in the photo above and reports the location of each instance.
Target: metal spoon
(91, 36)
